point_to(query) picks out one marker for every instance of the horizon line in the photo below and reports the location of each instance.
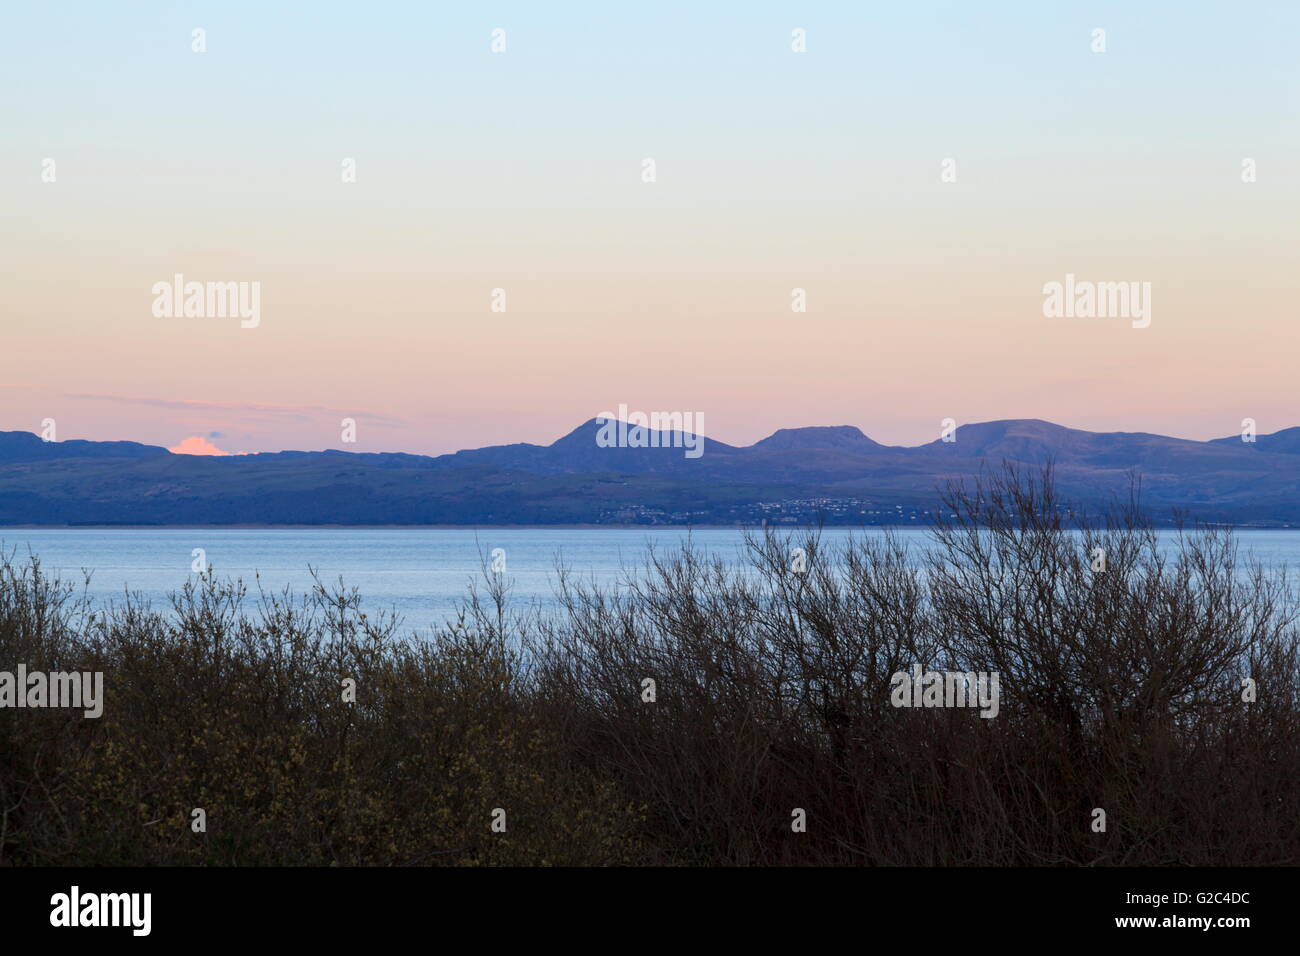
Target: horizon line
(602, 418)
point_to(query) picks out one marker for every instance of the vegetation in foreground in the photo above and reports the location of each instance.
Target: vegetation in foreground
(1120, 690)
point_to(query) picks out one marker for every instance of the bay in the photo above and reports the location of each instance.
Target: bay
(420, 573)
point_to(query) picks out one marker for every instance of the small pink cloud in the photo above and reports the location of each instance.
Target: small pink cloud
(197, 445)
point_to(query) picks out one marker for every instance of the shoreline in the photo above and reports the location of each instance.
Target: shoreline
(1217, 525)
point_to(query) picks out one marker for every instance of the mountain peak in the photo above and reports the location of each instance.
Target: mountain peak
(585, 436)
(839, 437)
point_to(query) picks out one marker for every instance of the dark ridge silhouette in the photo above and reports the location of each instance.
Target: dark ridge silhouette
(836, 474)
(1285, 442)
(24, 446)
(840, 437)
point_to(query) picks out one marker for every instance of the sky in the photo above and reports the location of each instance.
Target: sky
(525, 171)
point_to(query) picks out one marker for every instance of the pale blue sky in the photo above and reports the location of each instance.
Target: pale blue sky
(775, 170)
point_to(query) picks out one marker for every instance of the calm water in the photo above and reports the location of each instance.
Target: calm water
(422, 573)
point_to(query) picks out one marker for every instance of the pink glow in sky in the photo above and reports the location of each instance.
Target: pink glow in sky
(196, 445)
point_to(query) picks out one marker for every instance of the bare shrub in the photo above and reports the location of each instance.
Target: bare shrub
(1120, 689)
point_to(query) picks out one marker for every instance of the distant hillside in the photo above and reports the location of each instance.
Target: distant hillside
(840, 437)
(836, 474)
(24, 446)
(1285, 442)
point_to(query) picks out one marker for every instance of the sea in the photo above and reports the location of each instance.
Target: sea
(420, 574)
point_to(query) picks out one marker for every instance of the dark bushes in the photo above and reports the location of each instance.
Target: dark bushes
(1121, 690)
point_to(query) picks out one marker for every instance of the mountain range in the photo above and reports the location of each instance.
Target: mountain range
(796, 475)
